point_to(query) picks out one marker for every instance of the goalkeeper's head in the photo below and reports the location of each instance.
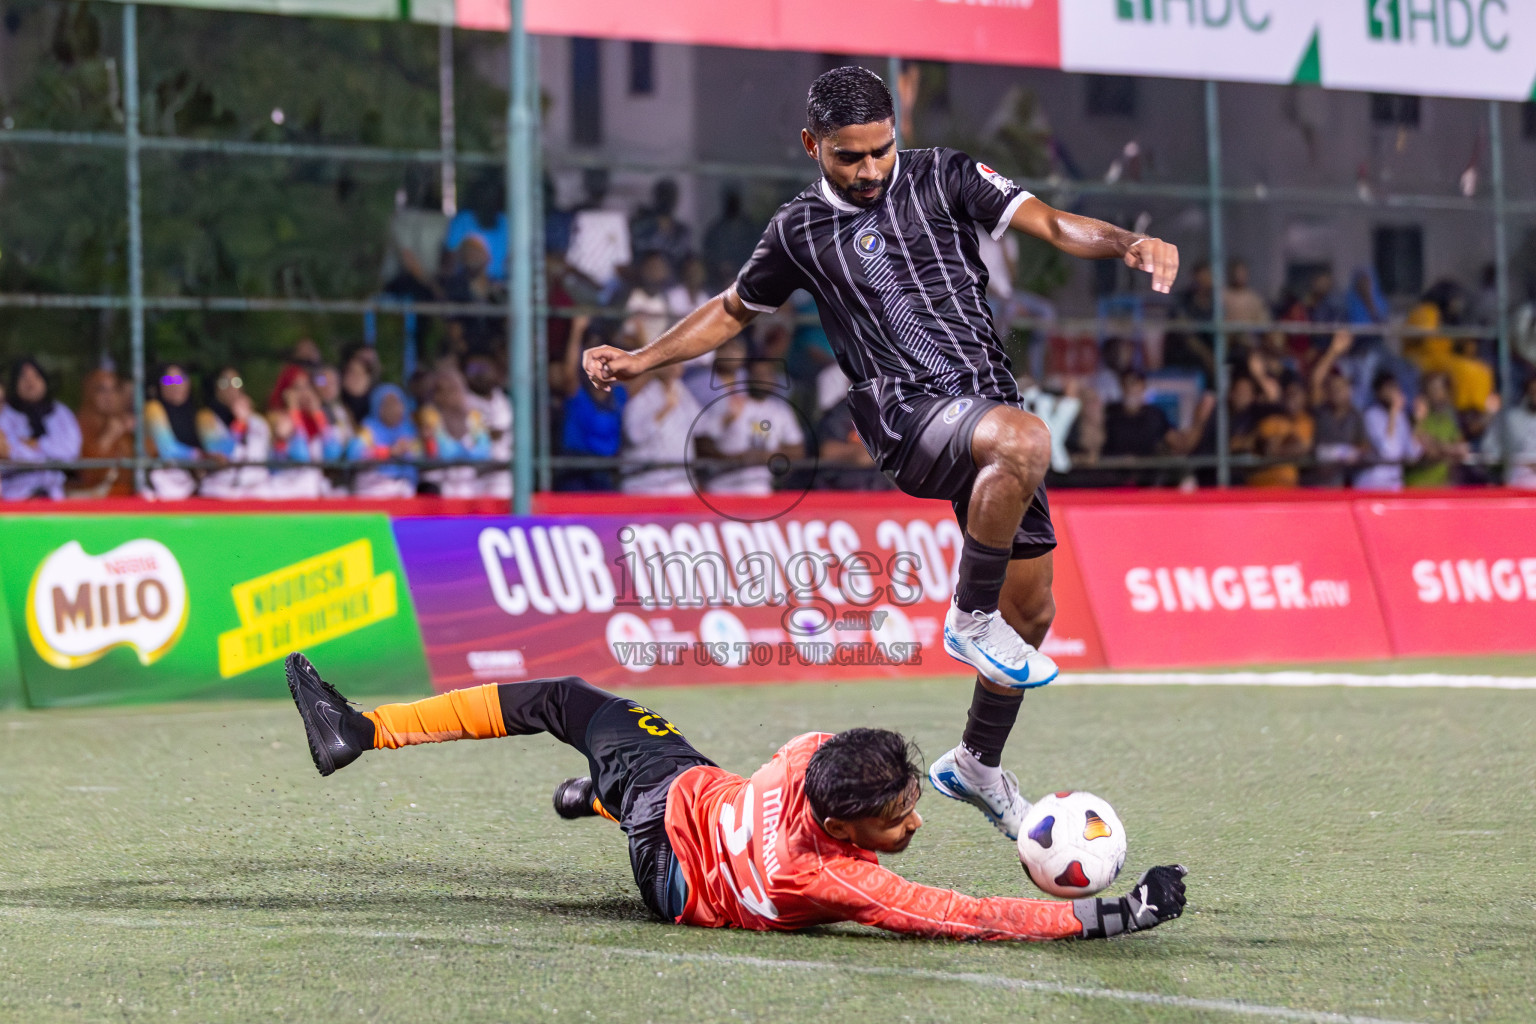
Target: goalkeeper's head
(863, 786)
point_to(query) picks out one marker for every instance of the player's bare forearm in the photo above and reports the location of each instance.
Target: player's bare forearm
(1092, 239)
(705, 329)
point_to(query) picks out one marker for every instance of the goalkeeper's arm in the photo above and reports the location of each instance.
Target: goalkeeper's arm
(1157, 897)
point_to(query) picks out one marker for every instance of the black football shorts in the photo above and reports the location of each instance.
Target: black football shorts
(933, 460)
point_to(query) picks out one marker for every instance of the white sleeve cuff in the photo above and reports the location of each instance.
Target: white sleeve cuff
(1013, 206)
(754, 307)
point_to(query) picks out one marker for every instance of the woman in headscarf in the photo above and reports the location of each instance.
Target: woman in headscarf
(36, 429)
(302, 433)
(451, 430)
(170, 422)
(230, 429)
(386, 433)
(106, 431)
(359, 376)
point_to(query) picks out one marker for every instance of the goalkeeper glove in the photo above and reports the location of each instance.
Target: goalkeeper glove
(1157, 897)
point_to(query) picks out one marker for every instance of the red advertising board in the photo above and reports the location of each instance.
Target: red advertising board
(1455, 577)
(1227, 584)
(1018, 32)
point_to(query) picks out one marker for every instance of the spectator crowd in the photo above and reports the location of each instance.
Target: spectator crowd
(1325, 389)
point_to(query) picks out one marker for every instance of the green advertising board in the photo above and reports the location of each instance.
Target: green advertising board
(105, 609)
(11, 693)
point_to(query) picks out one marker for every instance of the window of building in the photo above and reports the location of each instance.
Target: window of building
(642, 69)
(1111, 96)
(586, 92)
(1399, 252)
(1390, 109)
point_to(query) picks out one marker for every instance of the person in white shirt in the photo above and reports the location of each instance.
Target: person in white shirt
(757, 429)
(1519, 422)
(658, 427)
(487, 395)
(1391, 435)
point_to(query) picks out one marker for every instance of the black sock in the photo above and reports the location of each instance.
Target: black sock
(988, 724)
(982, 571)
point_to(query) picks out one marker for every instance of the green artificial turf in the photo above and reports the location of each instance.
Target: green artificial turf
(1351, 851)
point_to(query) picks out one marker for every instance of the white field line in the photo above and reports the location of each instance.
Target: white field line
(1427, 680)
(1234, 1007)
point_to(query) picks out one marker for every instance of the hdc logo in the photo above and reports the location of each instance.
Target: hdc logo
(1453, 23)
(1206, 13)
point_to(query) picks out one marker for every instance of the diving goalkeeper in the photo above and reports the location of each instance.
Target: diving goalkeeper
(796, 845)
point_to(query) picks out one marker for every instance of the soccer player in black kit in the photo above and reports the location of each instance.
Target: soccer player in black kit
(886, 242)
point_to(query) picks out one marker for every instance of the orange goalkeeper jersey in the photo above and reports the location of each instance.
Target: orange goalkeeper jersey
(755, 857)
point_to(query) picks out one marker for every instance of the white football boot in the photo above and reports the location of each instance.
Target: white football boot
(992, 647)
(959, 776)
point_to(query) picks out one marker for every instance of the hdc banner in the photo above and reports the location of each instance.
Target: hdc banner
(157, 607)
(1227, 584)
(689, 599)
(1456, 577)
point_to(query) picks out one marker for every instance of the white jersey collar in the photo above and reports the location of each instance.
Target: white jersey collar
(841, 204)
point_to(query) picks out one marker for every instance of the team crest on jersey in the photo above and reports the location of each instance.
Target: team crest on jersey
(956, 410)
(1004, 185)
(870, 244)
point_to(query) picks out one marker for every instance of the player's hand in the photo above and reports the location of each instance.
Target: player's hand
(1156, 257)
(1157, 897)
(606, 366)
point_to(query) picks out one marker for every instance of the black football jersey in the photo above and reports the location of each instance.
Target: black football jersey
(901, 287)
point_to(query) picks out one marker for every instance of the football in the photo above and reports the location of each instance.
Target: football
(1072, 844)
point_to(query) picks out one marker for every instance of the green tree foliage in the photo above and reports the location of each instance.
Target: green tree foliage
(214, 224)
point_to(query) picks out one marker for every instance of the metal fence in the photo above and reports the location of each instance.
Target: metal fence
(526, 310)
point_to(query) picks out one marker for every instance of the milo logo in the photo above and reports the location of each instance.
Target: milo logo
(80, 606)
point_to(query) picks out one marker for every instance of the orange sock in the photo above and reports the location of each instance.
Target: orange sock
(469, 714)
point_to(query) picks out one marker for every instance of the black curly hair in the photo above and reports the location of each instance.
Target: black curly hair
(844, 96)
(861, 773)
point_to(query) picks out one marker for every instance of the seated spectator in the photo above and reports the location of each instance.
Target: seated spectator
(36, 428)
(1058, 407)
(1244, 305)
(304, 358)
(327, 381)
(1518, 424)
(1444, 305)
(1393, 444)
(469, 283)
(359, 376)
(1134, 427)
(1286, 431)
(488, 397)
(387, 433)
(106, 432)
(170, 425)
(451, 431)
(484, 218)
(730, 239)
(1439, 432)
(302, 434)
(230, 430)
(657, 228)
(1245, 406)
(658, 424)
(647, 310)
(1193, 348)
(1117, 357)
(414, 253)
(756, 431)
(591, 419)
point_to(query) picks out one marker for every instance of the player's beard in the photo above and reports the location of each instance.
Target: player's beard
(853, 198)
